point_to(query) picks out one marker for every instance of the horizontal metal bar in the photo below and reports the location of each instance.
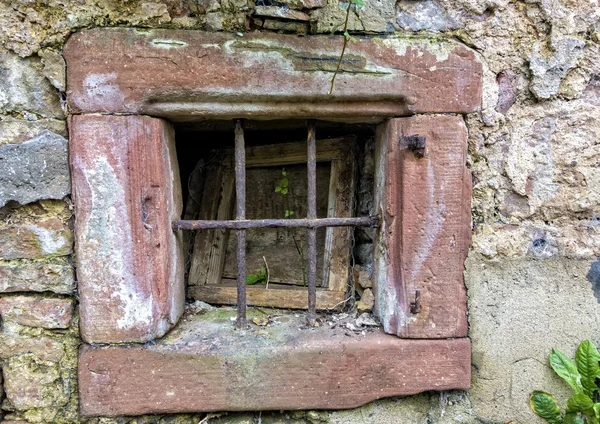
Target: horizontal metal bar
(365, 221)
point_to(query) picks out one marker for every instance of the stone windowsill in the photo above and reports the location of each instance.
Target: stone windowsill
(205, 364)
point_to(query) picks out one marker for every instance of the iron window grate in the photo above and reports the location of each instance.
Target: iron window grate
(240, 224)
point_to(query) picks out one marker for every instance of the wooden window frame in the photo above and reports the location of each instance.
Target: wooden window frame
(205, 271)
(124, 83)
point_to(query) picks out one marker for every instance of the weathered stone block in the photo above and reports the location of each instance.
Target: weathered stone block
(32, 384)
(282, 13)
(304, 4)
(172, 74)
(426, 230)
(126, 193)
(55, 68)
(205, 364)
(13, 131)
(42, 347)
(427, 15)
(375, 16)
(54, 275)
(35, 169)
(50, 237)
(35, 311)
(548, 72)
(23, 87)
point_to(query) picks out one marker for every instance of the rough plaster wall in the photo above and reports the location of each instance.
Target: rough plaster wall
(534, 154)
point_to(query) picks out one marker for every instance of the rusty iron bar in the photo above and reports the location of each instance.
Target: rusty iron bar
(312, 214)
(364, 221)
(240, 193)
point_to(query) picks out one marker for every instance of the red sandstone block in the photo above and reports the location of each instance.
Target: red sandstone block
(426, 229)
(175, 74)
(126, 193)
(35, 311)
(314, 371)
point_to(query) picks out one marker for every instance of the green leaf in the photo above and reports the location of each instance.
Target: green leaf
(544, 405)
(359, 3)
(587, 358)
(252, 279)
(284, 182)
(284, 191)
(284, 172)
(566, 369)
(573, 418)
(580, 402)
(597, 410)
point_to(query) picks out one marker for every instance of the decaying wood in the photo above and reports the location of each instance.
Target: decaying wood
(275, 297)
(213, 255)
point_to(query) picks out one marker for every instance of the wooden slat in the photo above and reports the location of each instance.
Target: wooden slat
(291, 298)
(217, 203)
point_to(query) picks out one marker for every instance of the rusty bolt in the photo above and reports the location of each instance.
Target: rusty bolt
(415, 307)
(416, 143)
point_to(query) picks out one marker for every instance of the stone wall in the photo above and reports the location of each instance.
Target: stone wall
(532, 275)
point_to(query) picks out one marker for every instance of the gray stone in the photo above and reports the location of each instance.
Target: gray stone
(549, 72)
(55, 68)
(24, 88)
(33, 170)
(518, 311)
(593, 277)
(426, 15)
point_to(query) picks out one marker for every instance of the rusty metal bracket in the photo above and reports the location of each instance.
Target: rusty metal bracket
(415, 307)
(415, 143)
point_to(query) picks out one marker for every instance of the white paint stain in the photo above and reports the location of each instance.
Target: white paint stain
(50, 241)
(101, 92)
(434, 222)
(162, 43)
(106, 249)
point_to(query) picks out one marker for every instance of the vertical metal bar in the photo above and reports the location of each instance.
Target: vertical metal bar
(312, 232)
(240, 193)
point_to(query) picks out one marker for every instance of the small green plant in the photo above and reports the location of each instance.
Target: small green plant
(358, 4)
(584, 406)
(259, 277)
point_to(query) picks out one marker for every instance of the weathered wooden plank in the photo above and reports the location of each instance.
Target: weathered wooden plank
(211, 252)
(425, 233)
(289, 297)
(206, 366)
(126, 193)
(217, 203)
(193, 75)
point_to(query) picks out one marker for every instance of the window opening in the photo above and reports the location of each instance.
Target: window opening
(240, 224)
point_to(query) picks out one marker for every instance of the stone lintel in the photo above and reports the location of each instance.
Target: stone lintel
(194, 75)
